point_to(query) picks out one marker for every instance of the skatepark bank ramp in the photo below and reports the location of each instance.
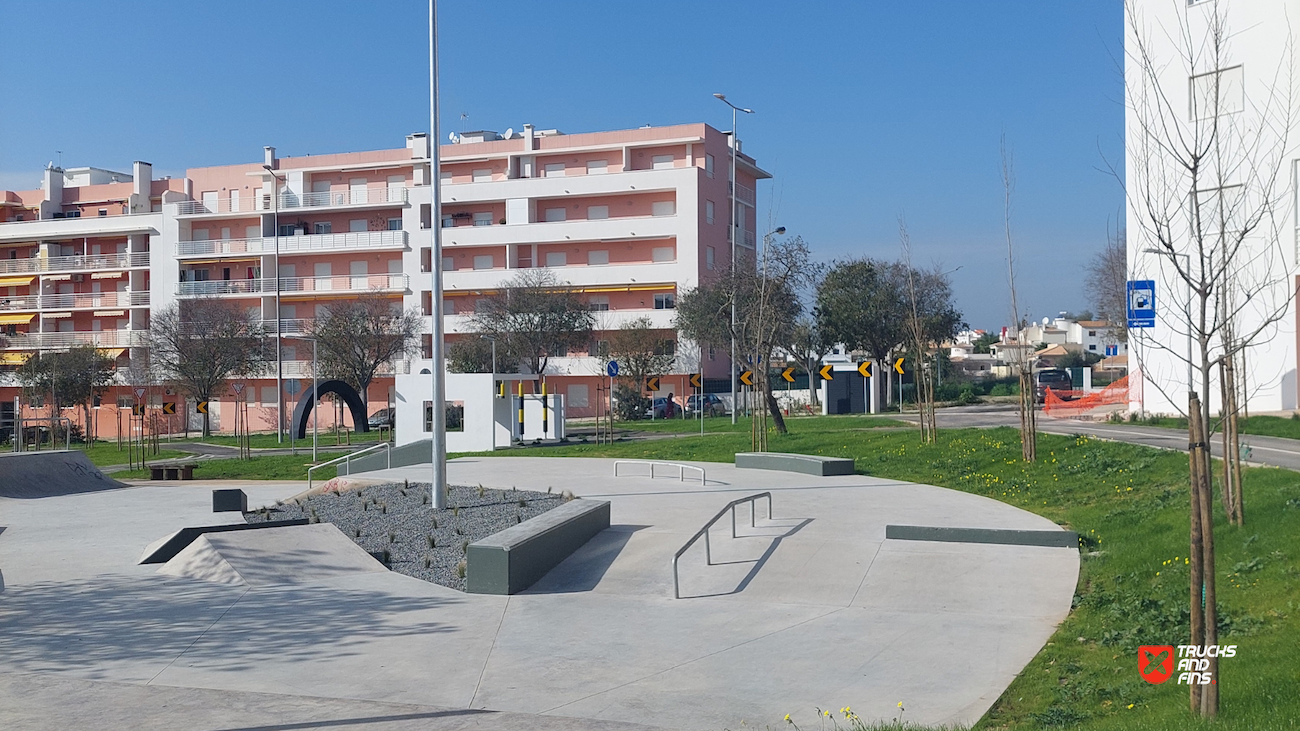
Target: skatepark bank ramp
(48, 474)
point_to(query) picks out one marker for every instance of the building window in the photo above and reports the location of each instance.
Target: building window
(556, 258)
(666, 347)
(665, 301)
(554, 170)
(395, 224)
(357, 225)
(597, 212)
(448, 222)
(597, 167)
(554, 214)
(708, 257)
(577, 396)
(708, 165)
(661, 254)
(268, 394)
(483, 219)
(600, 349)
(482, 175)
(448, 264)
(597, 257)
(1092, 347)
(663, 208)
(708, 211)
(483, 261)
(448, 307)
(713, 354)
(288, 229)
(323, 227)
(1218, 92)
(1092, 333)
(445, 176)
(662, 162)
(598, 303)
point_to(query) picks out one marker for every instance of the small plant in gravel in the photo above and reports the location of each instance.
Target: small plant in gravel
(365, 505)
(435, 523)
(481, 489)
(424, 499)
(523, 503)
(392, 536)
(387, 557)
(433, 543)
(464, 547)
(385, 509)
(455, 511)
(427, 562)
(356, 532)
(459, 531)
(460, 570)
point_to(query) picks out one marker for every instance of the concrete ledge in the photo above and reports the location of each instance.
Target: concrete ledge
(166, 549)
(808, 464)
(1046, 538)
(512, 560)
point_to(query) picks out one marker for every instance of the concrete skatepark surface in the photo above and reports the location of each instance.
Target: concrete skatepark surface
(812, 608)
(46, 474)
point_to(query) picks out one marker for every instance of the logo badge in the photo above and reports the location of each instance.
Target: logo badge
(1155, 663)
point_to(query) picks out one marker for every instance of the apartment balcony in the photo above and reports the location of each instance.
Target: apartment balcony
(301, 370)
(551, 232)
(64, 340)
(462, 323)
(744, 194)
(360, 283)
(378, 196)
(55, 229)
(304, 244)
(80, 301)
(91, 262)
(605, 275)
(628, 181)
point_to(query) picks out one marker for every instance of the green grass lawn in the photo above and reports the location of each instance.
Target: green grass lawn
(103, 454)
(722, 424)
(1130, 505)
(270, 467)
(269, 441)
(1265, 426)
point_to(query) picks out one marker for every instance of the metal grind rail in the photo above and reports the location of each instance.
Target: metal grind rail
(347, 458)
(681, 468)
(704, 532)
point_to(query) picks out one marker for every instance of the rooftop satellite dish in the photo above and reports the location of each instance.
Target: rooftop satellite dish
(510, 132)
(453, 137)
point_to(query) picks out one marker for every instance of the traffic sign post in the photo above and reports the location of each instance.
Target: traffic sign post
(1141, 302)
(788, 375)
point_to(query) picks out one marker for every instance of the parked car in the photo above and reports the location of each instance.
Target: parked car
(709, 402)
(661, 410)
(1053, 379)
(382, 417)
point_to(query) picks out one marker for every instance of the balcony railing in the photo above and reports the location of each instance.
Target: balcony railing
(745, 195)
(87, 262)
(62, 340)
(77, 301)
(306, 243)
(338, 283)
(261, 203)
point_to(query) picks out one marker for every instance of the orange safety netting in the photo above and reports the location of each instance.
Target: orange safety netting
(1076, 403)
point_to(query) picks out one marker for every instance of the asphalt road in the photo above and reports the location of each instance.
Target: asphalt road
(1272, 451)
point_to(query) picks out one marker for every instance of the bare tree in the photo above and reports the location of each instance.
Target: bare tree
(767, 306)
(68, 378)
(930, 319)
(808, 344)
(356, 339)
(535, 317)
(1107, 280)
(1021, 357)
(199, 344)
(1205, 191)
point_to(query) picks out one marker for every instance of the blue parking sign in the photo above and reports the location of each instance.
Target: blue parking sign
(1141, 303)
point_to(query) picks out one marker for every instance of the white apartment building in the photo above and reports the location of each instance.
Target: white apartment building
(1233, 93)
(629, 218)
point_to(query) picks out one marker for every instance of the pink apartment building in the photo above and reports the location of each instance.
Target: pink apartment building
(630, 218)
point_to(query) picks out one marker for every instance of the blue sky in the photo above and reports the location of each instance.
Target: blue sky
(865, 111)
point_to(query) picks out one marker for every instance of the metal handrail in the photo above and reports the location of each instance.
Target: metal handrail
(681, 468)
(708, 551)
(345, 459)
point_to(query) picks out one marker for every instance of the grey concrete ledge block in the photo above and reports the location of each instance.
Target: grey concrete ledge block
(166, 549)
(808, 464)
(1045, 538)
(229, 501)
(514, 559)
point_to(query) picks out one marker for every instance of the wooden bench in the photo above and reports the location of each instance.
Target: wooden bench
(172, 470)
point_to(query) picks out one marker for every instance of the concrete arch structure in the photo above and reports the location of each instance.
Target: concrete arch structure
(349, 395)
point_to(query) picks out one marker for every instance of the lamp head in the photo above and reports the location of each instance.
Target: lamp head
(723, 97)
(779, 230)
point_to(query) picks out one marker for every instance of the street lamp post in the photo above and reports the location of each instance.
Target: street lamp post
(437, 395)
(731, 218)
(279, 359)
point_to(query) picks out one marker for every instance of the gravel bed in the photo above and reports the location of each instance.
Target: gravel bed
(395, 523)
